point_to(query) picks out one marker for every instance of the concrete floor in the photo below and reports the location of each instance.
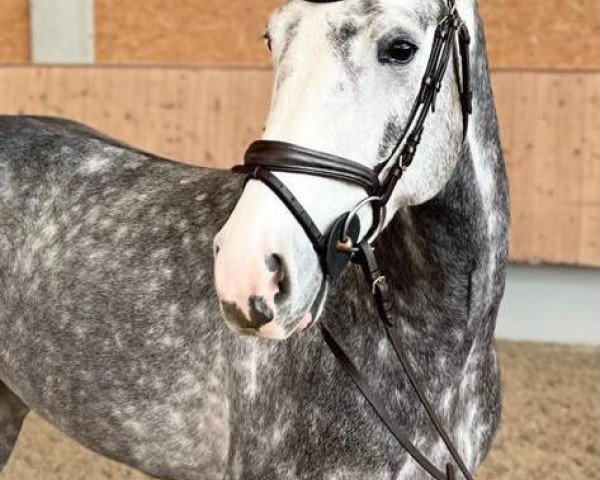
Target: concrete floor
(550, 429)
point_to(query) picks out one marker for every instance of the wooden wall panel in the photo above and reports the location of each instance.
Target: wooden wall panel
(202, 116)
(521, 34)
(555, 34)
(14, 31)
(550, 125)
(551, 138)
(184, 32)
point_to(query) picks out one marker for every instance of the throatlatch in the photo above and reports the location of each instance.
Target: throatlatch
(341, 245)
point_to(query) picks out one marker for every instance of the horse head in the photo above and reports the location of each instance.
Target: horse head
(347, 78)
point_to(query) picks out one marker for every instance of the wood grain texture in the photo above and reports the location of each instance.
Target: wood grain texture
(551, 138)
(14, 31)
(195, 32)
(201, 116)
(554, 34)
(521, 34)
(550, 124)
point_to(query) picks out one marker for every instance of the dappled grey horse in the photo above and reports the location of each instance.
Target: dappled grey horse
(109, 300)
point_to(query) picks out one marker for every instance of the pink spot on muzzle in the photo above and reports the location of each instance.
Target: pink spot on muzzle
(305, 322)
(273, 330)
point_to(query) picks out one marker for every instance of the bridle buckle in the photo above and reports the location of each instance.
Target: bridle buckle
(378, 282)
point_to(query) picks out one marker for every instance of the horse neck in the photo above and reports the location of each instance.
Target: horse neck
(448, 255)
(430, 252)
(488, 164)
(445, 259)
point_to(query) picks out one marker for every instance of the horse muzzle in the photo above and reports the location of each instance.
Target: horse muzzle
(267, 276)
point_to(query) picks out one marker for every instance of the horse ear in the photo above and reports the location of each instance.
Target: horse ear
(468, 11)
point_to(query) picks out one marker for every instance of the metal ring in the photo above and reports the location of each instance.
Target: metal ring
(377, 231)
(353, 213)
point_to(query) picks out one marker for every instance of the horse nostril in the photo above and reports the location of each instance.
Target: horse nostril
(276, 265)
(216, 245)
(260, 312)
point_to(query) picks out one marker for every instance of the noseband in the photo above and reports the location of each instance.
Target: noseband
(341, 244)
(264, 157)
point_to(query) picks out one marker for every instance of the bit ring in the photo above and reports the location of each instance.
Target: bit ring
(345, 238)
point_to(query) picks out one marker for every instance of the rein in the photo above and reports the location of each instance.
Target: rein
(341, 246)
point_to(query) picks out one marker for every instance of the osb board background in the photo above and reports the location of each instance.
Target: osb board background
(533, 34)
(521, 34)
(550, 123)
(549, 430)
(14, 31)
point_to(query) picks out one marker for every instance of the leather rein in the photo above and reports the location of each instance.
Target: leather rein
(341, 245)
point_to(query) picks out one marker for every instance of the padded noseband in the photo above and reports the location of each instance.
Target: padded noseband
(264, 157)
(286, 157)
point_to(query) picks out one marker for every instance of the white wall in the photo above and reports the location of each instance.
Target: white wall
(62, 31)
(551, 304)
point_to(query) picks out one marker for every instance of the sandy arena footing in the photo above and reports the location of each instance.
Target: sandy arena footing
(550, 428)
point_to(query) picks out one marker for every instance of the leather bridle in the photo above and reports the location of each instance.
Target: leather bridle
(341, 245)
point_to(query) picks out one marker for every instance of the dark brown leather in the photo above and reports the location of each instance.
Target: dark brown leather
(286, 157)
(290, 201)
(366, 259)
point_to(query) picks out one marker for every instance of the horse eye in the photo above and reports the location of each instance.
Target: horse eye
(398, 51)
(267, 37)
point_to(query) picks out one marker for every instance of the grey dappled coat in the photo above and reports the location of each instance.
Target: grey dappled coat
(110, 326)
